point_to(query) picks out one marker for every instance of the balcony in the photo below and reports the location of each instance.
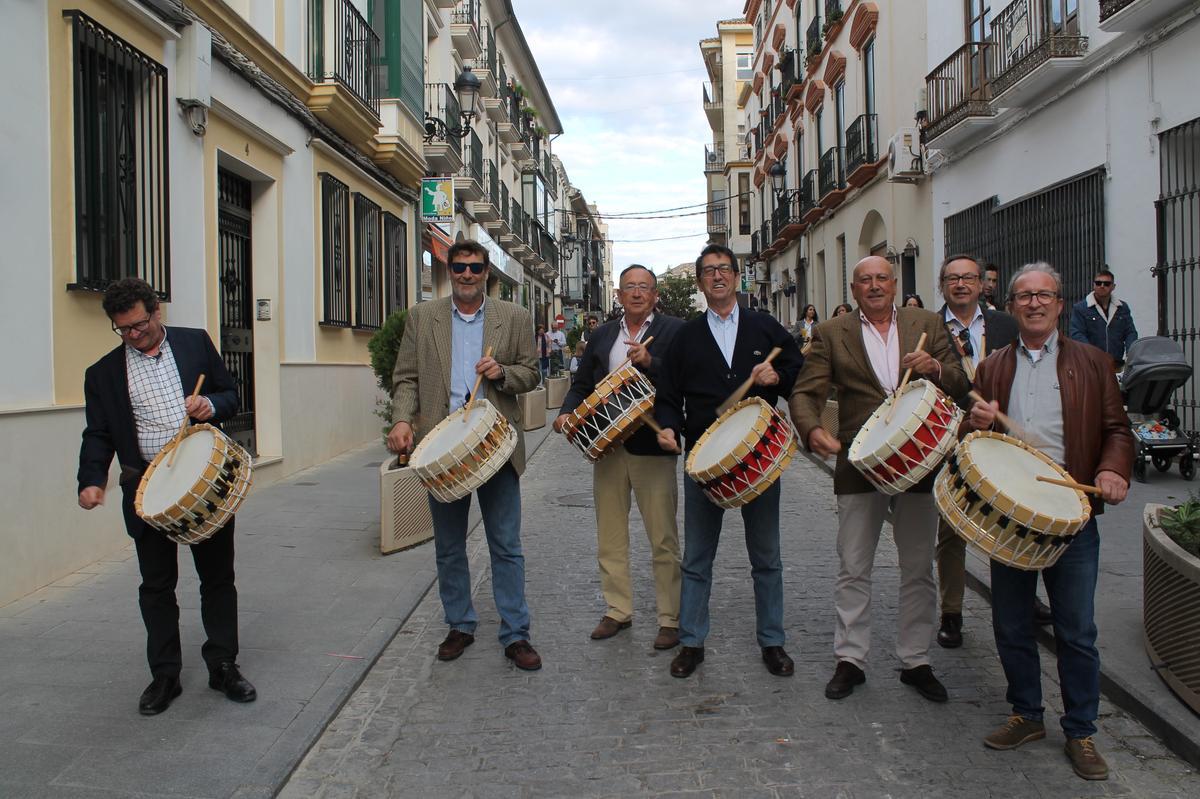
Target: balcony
(342, 53)
(959, 96)
(810, 209)
(548, 175)
(787, 220)
(718, 217)
(504, 229)
(831, 178)
(778, 107)
(486, 63)
(464, 29)
(714, 159)
(714, 108)
(486, 209)
(1137, 15)
(766, 238)
(442, 152)
(506, 128)
(496, 107)
(468, 183)
(1034, 43)
(862, 150)
(791, 70)
(522, 148)
(812, 39)
(755, 246)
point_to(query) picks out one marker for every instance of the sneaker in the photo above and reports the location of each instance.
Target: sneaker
(1014, 732)
(1084, 758)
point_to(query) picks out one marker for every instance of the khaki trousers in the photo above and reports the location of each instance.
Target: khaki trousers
(652, 480)
(951, 568)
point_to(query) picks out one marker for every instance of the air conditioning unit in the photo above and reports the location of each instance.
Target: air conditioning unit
(905, 156)
(710, 156)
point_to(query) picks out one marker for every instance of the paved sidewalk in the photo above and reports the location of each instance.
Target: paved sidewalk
(317, 604)
(606, 719)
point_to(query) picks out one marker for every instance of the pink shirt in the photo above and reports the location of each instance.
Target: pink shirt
(884, 355)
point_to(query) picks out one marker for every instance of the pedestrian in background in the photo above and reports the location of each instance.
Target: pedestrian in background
(541, 343)
(1102, 320)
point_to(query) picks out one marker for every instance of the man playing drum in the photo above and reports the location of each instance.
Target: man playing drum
(1065, 398)
(441, 354)
(639, 463)
(859, 354)
(709, 358)
(135, 405)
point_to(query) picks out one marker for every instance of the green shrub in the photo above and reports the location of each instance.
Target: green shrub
(383, 347)
(1182, 524)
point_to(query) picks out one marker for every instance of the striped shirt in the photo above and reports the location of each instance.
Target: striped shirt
(156, 395)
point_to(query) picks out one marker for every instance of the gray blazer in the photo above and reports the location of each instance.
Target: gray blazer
(421, 379)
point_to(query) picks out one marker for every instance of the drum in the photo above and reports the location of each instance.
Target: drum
(742, 453)
(194, 497)
(895, 456)
(457, 457)
(989, 494)
(611, 413)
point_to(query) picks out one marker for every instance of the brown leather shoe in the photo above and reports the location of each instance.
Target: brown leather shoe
(667, 638)
(687, 660)
(523, 655)
(454, 644)
(608, 627)
(1015, 731)
(1086, 761)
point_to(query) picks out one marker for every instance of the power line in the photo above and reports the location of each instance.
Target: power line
(627, 77)
(664, 238)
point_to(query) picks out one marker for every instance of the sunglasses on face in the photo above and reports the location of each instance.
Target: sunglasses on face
(1102, 282)
(476, 267)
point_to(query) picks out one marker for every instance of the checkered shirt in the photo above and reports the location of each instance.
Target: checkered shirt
(156, 394)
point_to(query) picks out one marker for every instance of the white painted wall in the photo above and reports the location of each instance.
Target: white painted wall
(25, 266)
(189, 254)
(329, 409)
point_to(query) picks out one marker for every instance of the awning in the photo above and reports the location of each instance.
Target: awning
(439, 243)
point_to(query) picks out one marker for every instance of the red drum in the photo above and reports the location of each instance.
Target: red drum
(742, 453)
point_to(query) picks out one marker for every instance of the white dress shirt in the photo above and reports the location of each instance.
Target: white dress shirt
(620, 350)
(976, 331)
(884, 354)
(724, 331)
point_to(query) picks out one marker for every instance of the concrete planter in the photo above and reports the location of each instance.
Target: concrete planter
(1171, 609)
(556, 391)
(404, 515)
(533, 408)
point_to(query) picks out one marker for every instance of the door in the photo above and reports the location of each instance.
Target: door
(237, 320)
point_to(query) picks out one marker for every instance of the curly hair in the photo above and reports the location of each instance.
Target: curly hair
(128, 292)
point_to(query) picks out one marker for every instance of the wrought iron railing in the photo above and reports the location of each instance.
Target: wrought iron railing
(466, 13)
(957, 88)
(335, 251)
(808, 192)
(472, 157)
(711, 100)
(1026, 34)
(765, 236)
(813, 39)
(714, 158)
(517, 219)
(790, 70)
(488, 59)
(862, 142)
(504, 203)
(1109, 8)
(441, 103)
(491, 182)
(343, 47)
(718, 217)
(833, 11)
(755, 245)
(777, 104)
(830, 173)
(368, 269)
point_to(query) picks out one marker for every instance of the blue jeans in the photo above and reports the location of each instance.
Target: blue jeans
(500, 502)
(701, 533)
(1071, 586)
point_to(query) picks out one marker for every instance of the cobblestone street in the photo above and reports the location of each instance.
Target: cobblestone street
(606, 718)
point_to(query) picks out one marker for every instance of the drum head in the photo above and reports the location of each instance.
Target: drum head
(902, 417)
(451, 432)
(169, 484)
(724, 436)
(1014, 471)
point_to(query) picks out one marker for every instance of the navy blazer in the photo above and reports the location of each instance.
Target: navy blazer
(593, 368)
(697, 380)
(110, 426)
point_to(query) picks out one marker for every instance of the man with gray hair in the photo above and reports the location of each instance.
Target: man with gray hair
(1064, 395)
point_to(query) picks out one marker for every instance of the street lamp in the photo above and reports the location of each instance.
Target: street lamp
(466, 88)
(778, 173)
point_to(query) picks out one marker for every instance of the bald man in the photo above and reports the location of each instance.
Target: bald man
(863, 354)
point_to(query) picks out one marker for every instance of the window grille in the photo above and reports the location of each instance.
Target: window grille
(395, 263)
(368, 267)
(335, 251)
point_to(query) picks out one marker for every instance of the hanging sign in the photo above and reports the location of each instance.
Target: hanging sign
(437, 200)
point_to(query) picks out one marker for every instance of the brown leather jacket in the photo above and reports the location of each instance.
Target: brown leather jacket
(1096, 434)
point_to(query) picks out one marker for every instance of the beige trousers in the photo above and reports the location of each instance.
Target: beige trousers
(951, 568)
(914, 526)
(652, 480)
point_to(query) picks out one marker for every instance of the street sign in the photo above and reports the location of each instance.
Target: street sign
(437, 200)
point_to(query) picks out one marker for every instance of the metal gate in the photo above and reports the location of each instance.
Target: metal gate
(1178, 267)
(237, 313)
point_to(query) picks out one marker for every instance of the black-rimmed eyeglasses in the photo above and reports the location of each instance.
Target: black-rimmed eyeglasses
(138, 327)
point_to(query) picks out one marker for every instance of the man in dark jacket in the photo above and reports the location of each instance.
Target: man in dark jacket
(135, 402)
(639, 464)
(1102, 320)
(1065, 396)
(709, 359)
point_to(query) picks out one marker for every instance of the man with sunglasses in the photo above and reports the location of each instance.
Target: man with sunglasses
(443, 350)
(1065, 397)
(1102, 320)
(135, 402)
(976, 332)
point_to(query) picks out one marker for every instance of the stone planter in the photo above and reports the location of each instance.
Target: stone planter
(404, 515)
(556, 391)
(533, 408)
(1171, 609)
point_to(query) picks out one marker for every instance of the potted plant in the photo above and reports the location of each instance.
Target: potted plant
(1171, 595)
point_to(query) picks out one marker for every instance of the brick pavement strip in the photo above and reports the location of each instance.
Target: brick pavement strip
(606, 719)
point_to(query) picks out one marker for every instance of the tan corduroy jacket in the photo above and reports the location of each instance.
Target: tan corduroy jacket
(421, 379)
(838, 359)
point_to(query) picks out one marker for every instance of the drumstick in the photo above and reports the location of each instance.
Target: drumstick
(904, 382)
(1041, 478)
(624, 363)
(471, 400)
(653, 425)
(175, 438)
(736, 396)
(968, 364)
(1006, 420)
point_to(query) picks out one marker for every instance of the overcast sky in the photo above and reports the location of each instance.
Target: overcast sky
(625, 77)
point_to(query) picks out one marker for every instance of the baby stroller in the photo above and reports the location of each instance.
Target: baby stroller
(1154, 367)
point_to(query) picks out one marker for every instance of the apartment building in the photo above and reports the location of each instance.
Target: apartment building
(1069, 131)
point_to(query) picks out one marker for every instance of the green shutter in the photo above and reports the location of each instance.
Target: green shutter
(412, 56)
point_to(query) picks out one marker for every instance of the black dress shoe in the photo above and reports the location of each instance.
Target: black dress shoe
(921, 678)
(845, 677)
(158, 695)
(1041, 613)
(687, 660)
(949, 635)
(229, 680)
(778, 662)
